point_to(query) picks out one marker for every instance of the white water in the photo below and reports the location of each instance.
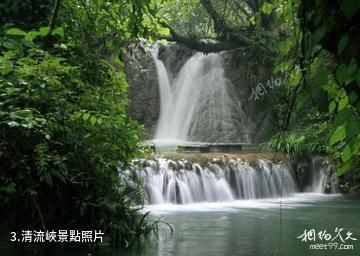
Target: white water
(319, 177)
(199, 104)
(187, 185)
(166, 106)
(291, 202)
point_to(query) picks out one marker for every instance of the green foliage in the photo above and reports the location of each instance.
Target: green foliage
(64, 124)
(307, 137)
(325, 75)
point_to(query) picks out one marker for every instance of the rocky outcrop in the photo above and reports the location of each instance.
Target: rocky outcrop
(247, 73)
(310, 170)
(244, 72)
(143, 91)
(174, 57)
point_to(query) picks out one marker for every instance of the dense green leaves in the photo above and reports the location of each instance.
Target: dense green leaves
(338, 135)
(349, 8)
(63, 120)
(343, 42)
(323, 48)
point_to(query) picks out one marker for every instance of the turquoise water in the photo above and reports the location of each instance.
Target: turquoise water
(253, 227)
(247, 228)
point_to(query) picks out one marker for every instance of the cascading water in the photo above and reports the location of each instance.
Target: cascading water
(166, 97)
(322, 180)
(168, 182)
(200, 103)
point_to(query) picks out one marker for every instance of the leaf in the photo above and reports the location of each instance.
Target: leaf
(358, 77)
(353, 128)
(353, 97)
(344, 168)
(338, 135)
(285, 46)
(319, 34)
(349, 7)
(44, 31)
(93, 120)
(343, 42)
(10, 91)
(86, 116)
(32, 35)
(58, 31)
(16, 32)
(344, 101)
(48, 179)
(346, 154)
(352, 68)
(344, 116)
(164, 31)
(252, 20)
(267, 8)
(342, 73)
(332, 106)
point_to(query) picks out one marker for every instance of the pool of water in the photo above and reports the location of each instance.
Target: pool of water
(249, 227)
(252, 227)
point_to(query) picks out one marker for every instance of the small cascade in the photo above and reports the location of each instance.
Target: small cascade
(167, 181)
(321, 176)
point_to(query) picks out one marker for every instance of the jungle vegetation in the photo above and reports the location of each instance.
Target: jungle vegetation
(314, 45)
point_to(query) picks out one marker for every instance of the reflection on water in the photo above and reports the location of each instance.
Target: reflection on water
(253, 227)
(244, 228)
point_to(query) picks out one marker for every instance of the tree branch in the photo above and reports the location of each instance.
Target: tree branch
(253, 4)
(243, 10)
(54, 14)
(205, 47)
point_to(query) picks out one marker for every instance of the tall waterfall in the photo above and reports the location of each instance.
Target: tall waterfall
(200, 103)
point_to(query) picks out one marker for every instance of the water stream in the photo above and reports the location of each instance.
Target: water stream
(234, 207)
(199, 104)
(263, 179)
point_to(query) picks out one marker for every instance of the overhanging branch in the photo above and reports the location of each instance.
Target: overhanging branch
(206, 47)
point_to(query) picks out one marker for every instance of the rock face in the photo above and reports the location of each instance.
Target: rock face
(316, 174)
(143, 91)
(241, 69)
(248, 74)
(174, 57)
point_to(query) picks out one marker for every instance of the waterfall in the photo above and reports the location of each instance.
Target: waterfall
(165, 181)
(200, 103)
(321, 178)
(166, 97)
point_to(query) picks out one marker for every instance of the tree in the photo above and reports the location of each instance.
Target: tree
(63, 118)
(236, 25)
(321, 54)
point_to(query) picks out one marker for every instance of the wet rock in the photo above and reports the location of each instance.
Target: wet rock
(173, 165)
(188, 165)
(355, 190)
(143, 91)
